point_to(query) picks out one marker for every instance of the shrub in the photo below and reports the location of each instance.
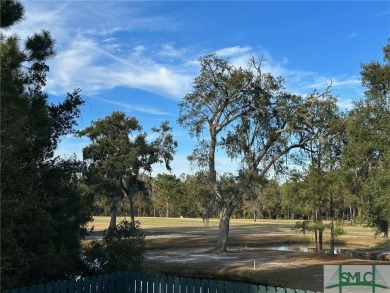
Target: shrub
(121, 249)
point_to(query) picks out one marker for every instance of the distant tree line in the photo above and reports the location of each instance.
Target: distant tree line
(341, 162)
(168, 195)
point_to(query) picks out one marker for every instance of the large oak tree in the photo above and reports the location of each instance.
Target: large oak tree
(250, 115)
(218, 99)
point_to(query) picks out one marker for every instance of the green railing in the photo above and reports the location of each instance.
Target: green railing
(149, 283)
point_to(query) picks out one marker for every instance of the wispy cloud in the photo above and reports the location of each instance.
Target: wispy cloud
(93, 59)
(136, 108)
(168, 50)
(351, 35)
(233, 51)
(137, 50)
(382, 13)
(335, 82)
(88, 65)
(90, 58)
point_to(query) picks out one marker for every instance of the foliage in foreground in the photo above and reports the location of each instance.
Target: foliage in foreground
(43, 209)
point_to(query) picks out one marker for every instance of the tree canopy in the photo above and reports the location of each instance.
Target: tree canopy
(367, 154)
(119, 152)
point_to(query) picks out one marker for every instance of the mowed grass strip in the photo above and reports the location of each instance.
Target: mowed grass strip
(101, 223)
(237, 226)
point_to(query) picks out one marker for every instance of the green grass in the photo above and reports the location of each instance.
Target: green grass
(191, 232)
(237, 226)
(184, 225)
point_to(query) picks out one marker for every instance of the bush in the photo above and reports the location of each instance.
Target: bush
(121, 249)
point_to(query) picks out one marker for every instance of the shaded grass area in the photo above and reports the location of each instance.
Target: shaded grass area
(168, 239)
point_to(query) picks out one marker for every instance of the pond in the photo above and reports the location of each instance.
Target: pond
(345, 251)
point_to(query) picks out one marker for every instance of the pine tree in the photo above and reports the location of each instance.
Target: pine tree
(42, 210)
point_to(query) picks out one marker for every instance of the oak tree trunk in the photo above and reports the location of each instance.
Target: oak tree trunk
(225, 213)
(223, 231)
(114, 212)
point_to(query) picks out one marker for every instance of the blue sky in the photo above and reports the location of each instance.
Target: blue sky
(141, 57)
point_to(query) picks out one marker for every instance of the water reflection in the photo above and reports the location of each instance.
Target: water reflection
(300, 248)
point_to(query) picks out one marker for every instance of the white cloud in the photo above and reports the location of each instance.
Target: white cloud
(87, 65)
(349, 82)
(382, 13)
(93, 63)
(137, 108)
(233, 51)
(335, 82)
(138, 50)
(168, 50)
(349, 36)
